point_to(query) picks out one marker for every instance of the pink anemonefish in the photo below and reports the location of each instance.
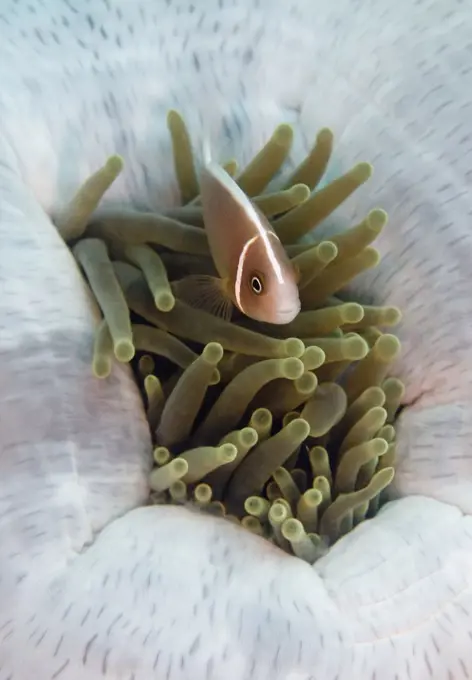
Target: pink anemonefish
(255, 272)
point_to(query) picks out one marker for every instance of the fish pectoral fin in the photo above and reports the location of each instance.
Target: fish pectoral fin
(207, 293)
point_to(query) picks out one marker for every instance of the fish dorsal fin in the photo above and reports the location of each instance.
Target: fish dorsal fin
(204, 292)
(207, 156)
(227, 184)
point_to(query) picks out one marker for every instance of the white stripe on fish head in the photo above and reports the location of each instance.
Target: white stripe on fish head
(264, 235)
(240, 269)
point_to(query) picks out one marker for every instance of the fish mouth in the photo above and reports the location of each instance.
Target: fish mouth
(285, 316)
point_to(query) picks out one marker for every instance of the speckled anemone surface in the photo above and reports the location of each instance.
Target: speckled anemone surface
(287, 431)
(93, 584)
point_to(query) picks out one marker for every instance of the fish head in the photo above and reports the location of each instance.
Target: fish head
(265, 287)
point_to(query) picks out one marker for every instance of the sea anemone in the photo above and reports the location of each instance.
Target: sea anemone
(93, 584)
(286, 430)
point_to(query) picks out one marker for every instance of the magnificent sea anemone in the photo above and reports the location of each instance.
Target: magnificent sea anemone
(287, 430)
(99, 575)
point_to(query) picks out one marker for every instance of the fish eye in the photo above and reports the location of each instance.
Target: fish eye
(256, 284)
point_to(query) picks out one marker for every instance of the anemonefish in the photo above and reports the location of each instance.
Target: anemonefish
(255, 273)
